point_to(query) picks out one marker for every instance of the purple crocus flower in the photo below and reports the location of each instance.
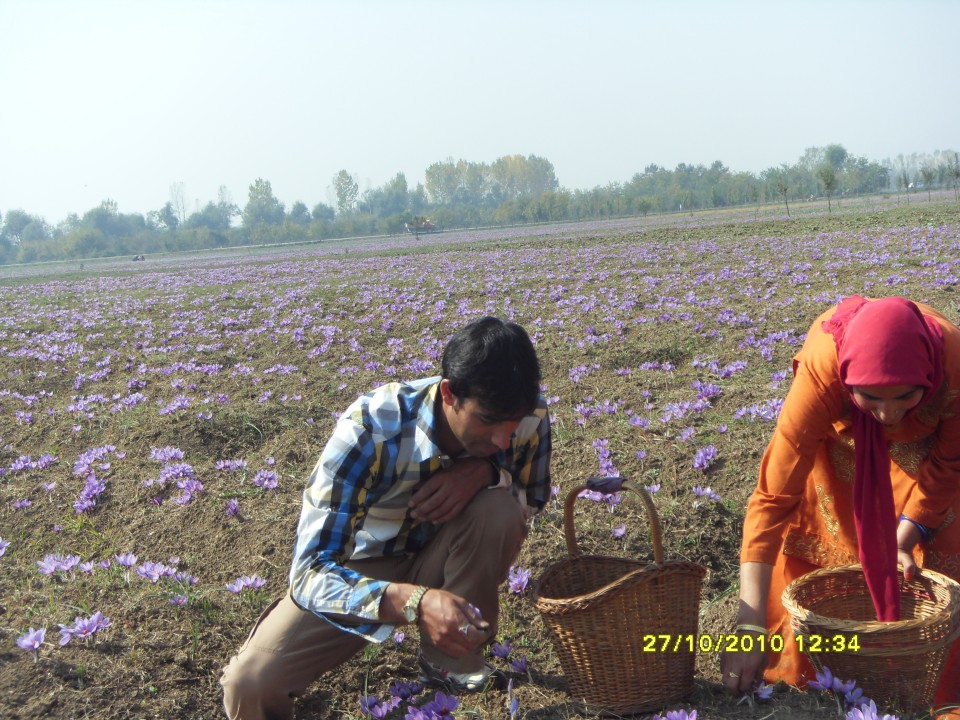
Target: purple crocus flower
(704, 457)
(3, 546)
(83, 627)
(677, 715)
(513, 703)
(824, 680)
(518, 579)
(501, 650)
(265, 479)
(32, 639)
(441, 705)
(521, 665)
(404, 690)
(232, 507)
(619, 532)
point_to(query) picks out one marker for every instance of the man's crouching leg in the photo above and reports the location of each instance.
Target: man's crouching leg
(287, 649)
(471, 556)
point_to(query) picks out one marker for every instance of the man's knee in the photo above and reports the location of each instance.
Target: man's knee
(253, 687)
(493, 522)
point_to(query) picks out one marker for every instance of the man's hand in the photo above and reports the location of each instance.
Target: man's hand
(447, 492)
(452, 624)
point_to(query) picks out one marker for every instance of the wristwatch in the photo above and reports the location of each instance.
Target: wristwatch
(411, 609)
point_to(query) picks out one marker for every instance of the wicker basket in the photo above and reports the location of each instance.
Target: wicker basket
(598, 609)
(898, 663)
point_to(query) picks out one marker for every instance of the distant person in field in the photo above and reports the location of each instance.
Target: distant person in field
(414, 514)
(864, 466)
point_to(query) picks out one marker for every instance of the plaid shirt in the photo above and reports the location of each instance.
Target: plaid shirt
(355, 502)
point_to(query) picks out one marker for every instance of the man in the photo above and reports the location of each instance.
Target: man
(414, 513)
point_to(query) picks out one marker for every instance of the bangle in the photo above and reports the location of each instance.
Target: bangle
(752, 628)
(925, 532)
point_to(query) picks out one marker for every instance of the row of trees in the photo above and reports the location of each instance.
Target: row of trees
(511, 189)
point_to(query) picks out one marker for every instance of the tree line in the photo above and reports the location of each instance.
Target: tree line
(456, 194)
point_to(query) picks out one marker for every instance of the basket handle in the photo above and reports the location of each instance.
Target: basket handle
(608, 486)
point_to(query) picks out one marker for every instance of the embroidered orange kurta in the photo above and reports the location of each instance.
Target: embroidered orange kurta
(800, 517)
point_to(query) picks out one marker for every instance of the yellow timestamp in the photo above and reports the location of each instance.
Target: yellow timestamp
(706, 643)
(837, 643)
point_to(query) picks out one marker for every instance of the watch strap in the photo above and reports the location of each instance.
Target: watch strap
(411, 608)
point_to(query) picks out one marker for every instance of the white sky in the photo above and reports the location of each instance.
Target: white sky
(119, 100)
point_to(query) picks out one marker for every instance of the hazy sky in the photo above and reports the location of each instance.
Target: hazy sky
(122, 99)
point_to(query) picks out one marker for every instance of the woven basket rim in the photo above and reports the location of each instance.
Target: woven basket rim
(652, 569)
(805, 615)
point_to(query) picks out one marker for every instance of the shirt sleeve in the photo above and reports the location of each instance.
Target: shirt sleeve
(531, 460)
(805, 422)
(333, 510)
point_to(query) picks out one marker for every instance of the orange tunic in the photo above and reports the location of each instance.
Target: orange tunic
(800, 517)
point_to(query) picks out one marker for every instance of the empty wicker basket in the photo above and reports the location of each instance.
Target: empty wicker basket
(897, 663)
(598, 609)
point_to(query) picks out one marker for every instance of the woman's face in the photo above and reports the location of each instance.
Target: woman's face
(888, 404)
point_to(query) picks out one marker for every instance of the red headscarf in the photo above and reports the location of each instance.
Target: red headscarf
(882, 343)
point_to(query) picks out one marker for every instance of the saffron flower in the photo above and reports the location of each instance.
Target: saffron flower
(265, 479)
(501, 650)
(706, 492)
(677, 715)
(232, 507)
(245, 581)
(619, 532)
(518, 579)
(704, 457)
(83, 627)
(404, 689)
(868, 711)
(521, 665)
(32, 639)
(824, 681)
(3, 546)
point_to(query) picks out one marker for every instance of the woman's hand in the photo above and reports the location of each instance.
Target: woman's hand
(908, 535)
(743, 671)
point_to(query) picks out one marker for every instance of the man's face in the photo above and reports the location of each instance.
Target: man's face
(478, 432)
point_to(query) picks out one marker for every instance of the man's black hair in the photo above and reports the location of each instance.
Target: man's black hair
(493, 362)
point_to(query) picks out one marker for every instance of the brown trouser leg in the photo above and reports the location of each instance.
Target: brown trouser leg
(290, 647)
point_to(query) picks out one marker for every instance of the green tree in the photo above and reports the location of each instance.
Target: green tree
(395, 196)
(778, 179)
(928, 172)
(262, 207)
(321, 211)
(836, 155)
(168, 217)
(442, 182)
(828, 181)
(347, 191)
(299, 214)
(14, 224)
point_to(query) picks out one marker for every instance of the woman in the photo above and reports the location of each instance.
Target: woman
(864, 466)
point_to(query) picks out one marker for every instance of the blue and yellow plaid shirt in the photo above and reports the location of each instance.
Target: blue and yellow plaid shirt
(355, 502)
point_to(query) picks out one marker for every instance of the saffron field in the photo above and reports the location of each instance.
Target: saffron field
(158, 421)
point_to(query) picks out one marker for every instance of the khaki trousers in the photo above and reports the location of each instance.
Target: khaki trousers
(289, 647)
